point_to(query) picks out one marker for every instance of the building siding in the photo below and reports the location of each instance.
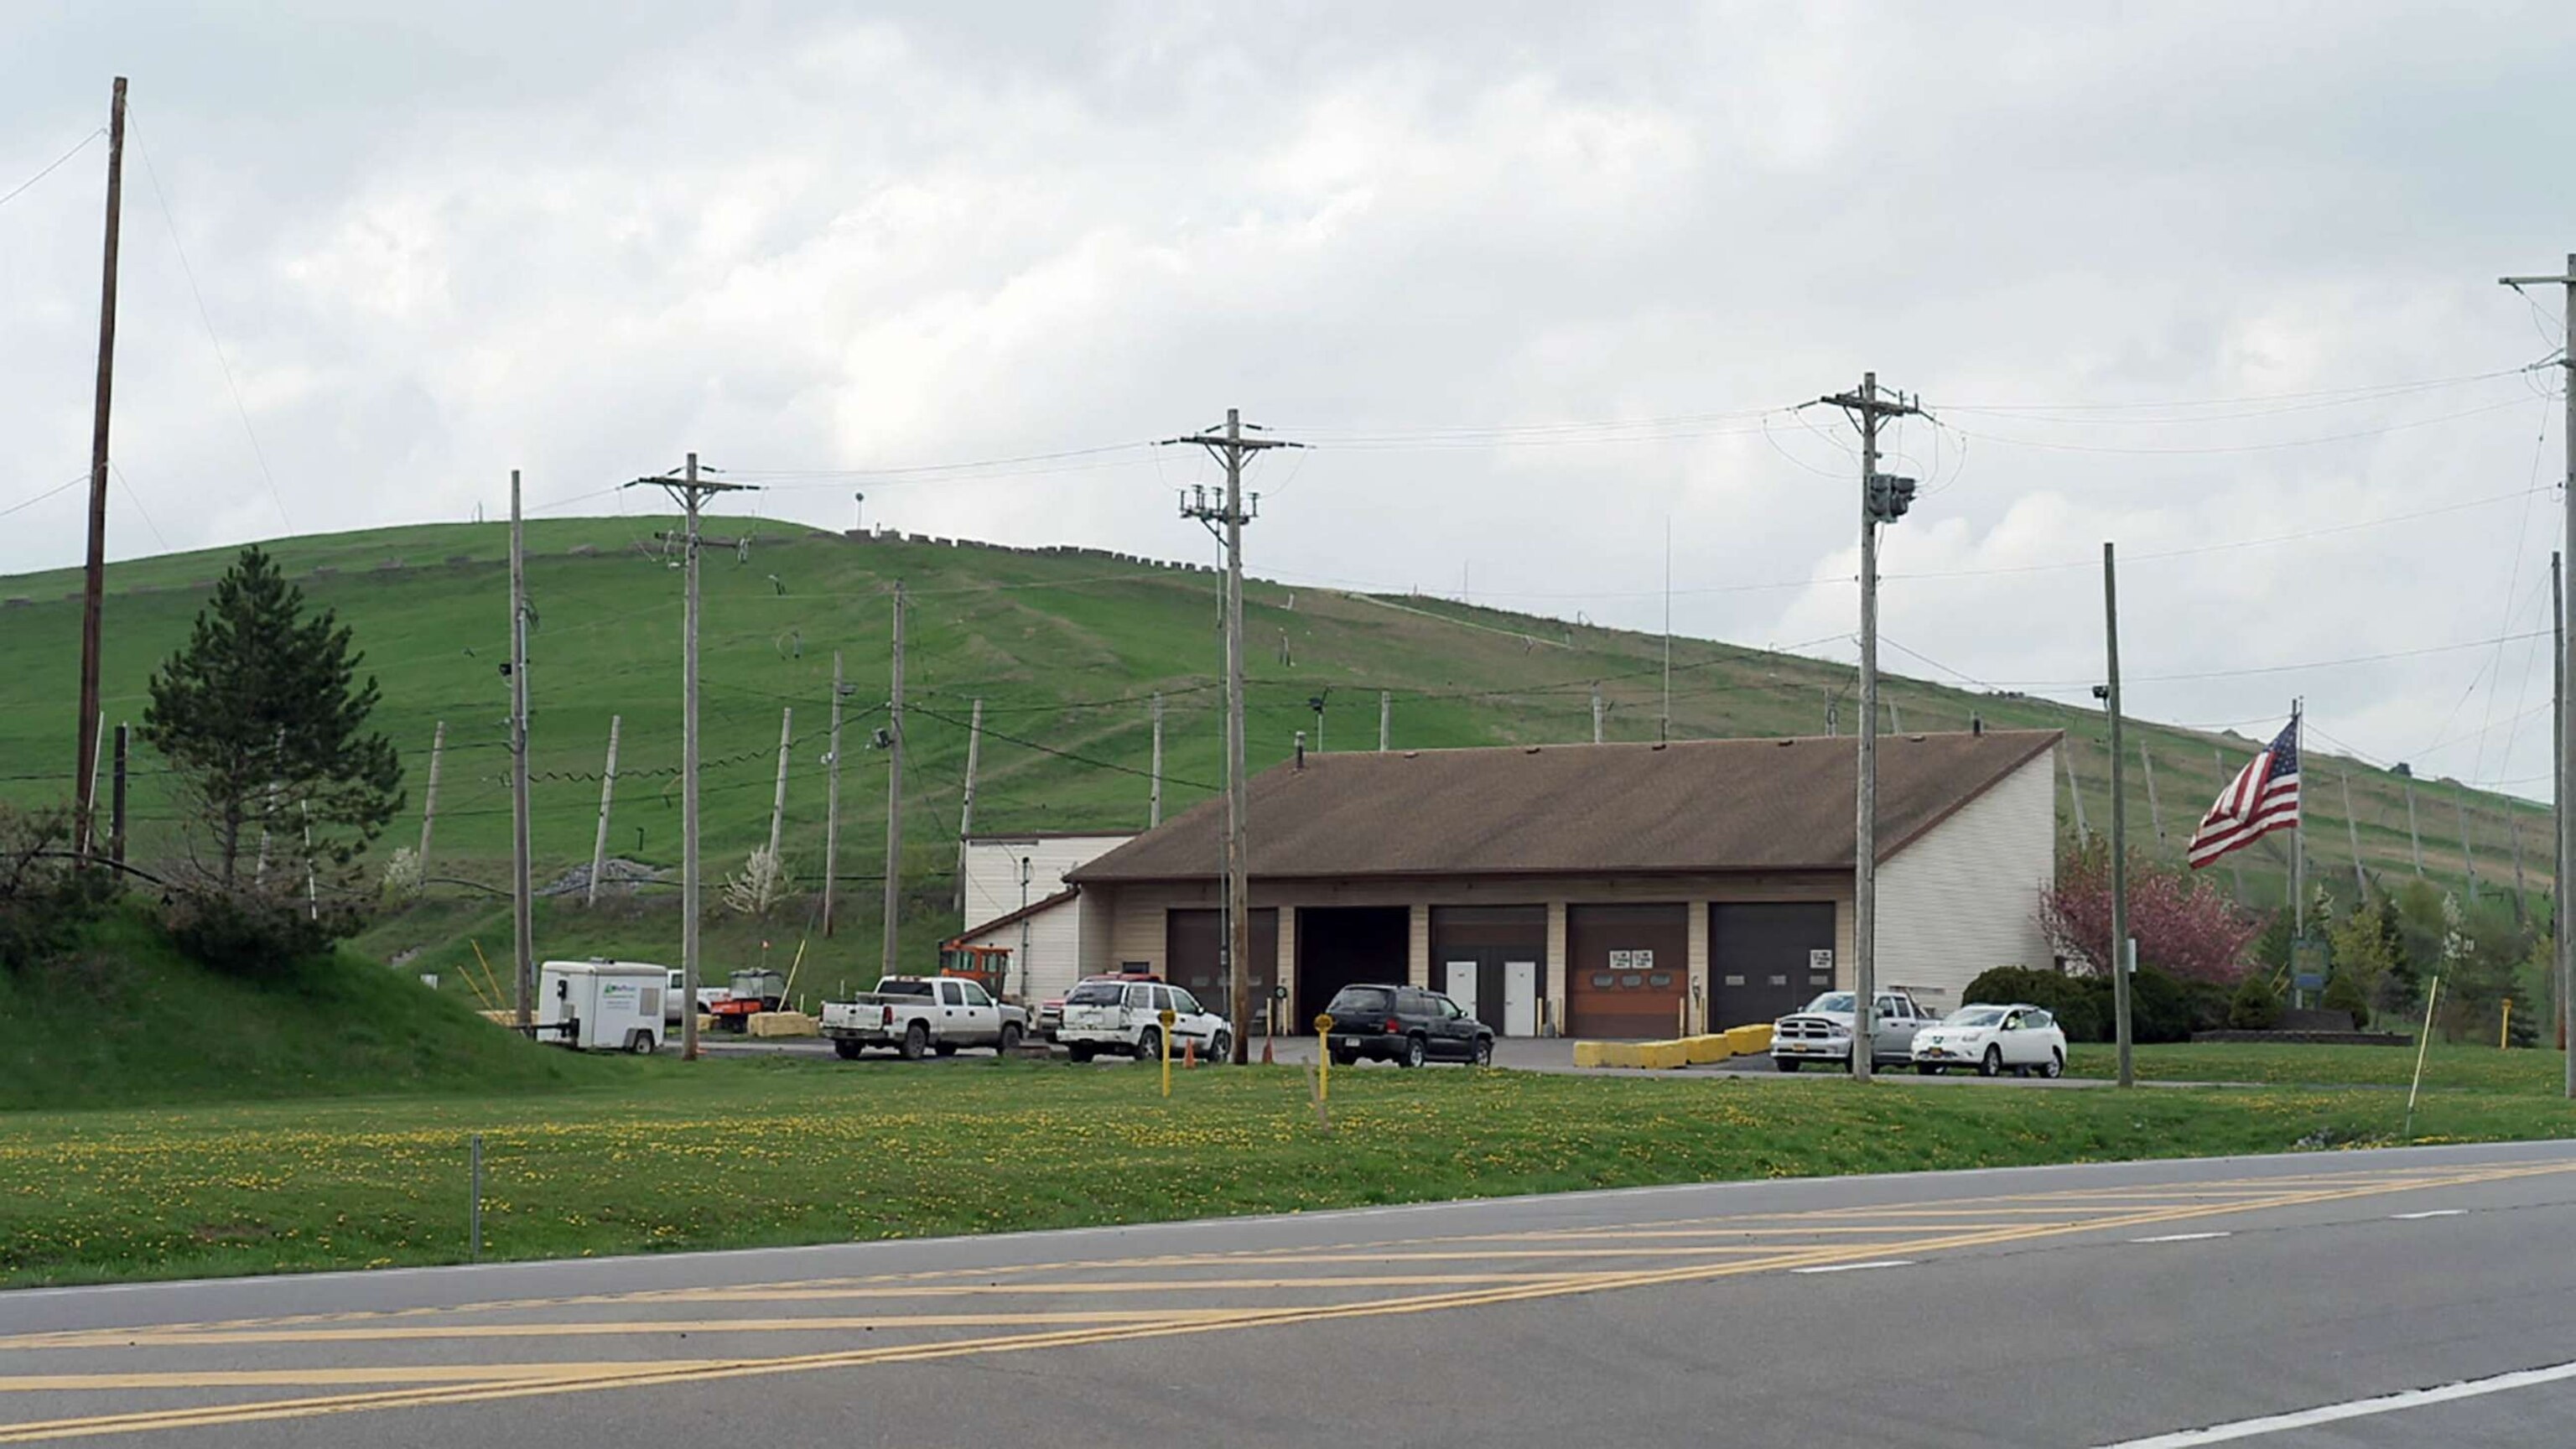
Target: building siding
(1965, 896)
(992, 869)
(1053, 959)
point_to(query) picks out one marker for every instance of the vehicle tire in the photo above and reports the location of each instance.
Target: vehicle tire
(1010, 1040)
(1220, 1050)
(1483, 1055)
(1346, 1059)
(1992, 1063)
(1784, 1064)
(1928, 1069)
(847, 1051)
(1078, 1051)
(1415, 1053)
(916, 1040)
(641, 1043)
(1149, 1044)
(2055, 1066)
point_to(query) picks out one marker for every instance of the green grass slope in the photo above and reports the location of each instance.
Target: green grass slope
(1064, 647)
(128, 1021)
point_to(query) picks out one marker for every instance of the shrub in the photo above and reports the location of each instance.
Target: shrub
(44, 902)
(2344, 993)
(2256, 1006)
(252, 936)
(2160, 1006)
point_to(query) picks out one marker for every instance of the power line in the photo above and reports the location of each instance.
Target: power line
(77, 147)
(1079, 759)
(27, 503)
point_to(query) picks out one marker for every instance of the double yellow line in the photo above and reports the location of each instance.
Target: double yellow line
(593, 1377)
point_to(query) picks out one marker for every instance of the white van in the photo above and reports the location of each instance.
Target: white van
(601, 1005)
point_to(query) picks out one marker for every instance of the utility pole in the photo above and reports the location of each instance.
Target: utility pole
(2414, 837)
(2119, 820)
(1596, 713)
(778, 797)
(1385, 720)
(2565, 770)
(94, 575)
(1883, 499)
(1664, 727)
(2299, 843)
(832, 802)
(607, 790)
(2352, 834)
(116, 807)
(689, 491)
(966, 812)
(523, 930)
(2558, 795)
(1154, 800)
(2066, 754)
(429, 795)
(1231, 448)
(887, 959)
(2468, 855)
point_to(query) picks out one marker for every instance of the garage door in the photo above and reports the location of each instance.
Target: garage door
(1194, 944)
(1627, 970)
(1767, 959)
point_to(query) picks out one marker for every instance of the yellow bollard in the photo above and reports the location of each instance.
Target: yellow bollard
(1324, 1056)
(1167, 1018)
(2504, 1031)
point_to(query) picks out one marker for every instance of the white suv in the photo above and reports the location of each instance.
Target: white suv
(2020, 1038)
(1124, 1018)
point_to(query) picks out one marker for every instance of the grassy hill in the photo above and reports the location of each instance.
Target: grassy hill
(1064, 648)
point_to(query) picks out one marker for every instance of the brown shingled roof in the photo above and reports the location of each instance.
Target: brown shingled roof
(1692, 805)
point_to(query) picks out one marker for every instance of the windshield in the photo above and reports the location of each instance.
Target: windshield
(1831, 1001)
(1096, 993)
(1975, 1016)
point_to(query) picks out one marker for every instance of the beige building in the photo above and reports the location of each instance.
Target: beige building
(1017, 900)
(1615, 890)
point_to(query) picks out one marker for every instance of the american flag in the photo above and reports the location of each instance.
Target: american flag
(2263, 797)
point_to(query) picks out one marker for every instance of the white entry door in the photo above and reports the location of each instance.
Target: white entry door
(1520, 998)
(1462, 985)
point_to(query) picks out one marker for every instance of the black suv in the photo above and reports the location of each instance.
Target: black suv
(1405, 1025)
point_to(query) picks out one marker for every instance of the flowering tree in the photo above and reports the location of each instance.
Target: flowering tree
(2182, 922)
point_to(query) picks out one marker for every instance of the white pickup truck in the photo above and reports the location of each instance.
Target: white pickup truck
(1822, 1032)
(917, 1014)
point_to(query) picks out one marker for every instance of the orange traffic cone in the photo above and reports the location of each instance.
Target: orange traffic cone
(1265, 1051)
(1189, 1053)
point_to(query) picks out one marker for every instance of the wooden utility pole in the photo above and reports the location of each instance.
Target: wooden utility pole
(887, 958)
(2121, 1033)
(778, 797)
(2468, 855)
(1154, 799)
(2414, 838)
(94, 574)
(2066, 753)
(2352, 833)
(607, 791)
(523, 932)
(1385, 720)
(1596, 713)
(690, 491)
(2566, 976)
(429, 794)
(832, 802)
(966, 811)
(2513, 830)
(2155, 810)
(1883, 499)
(1231, 448)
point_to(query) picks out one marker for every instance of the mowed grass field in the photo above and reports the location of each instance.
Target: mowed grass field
(665, 1156)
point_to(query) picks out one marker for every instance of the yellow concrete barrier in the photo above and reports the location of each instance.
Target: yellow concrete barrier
(1592, 1053)
(783, 1023)
(706, 1023)
(1749, 1041)
(1703, 1051)
(1663, 1055)
(1653, 1055)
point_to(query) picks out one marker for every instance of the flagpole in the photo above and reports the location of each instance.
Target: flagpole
(2298, 845)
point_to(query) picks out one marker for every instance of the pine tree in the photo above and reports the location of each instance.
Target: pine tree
(262, 718)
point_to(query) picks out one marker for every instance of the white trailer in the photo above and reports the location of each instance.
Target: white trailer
(601, 1005)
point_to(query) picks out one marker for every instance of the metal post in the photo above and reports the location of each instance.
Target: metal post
(1154, 800)
(2298, 843)
(607, 791)
(888, 956)
(1385, 721)
(94, 571)
(832, 803)
(2121, 1030)
(522, 904)
(966, 811)
(116, 798)
(429, 794)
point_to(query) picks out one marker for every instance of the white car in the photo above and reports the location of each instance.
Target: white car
(1124, 1018)
(2020, 1038)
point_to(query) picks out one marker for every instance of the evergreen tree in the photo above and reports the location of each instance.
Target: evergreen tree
(262, 718)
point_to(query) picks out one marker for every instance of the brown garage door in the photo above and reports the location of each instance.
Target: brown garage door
(1193, 944)
(1766, 959)
(1627, 970)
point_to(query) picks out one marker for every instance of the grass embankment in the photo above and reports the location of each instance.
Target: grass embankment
(129, 1021)
(2448, 1066)
(749, 1152)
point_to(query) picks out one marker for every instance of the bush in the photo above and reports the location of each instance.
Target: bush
(2256, 1006)
(2344, 993)
(44, 902)
(251, 936)
(2160, 1007)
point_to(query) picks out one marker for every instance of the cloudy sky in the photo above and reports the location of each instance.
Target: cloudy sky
(1540, 281)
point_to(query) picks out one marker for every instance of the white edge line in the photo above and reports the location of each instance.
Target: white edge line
(1856, 1267)
(2182, 1238)
(2353, 1409)
(2419, 1217)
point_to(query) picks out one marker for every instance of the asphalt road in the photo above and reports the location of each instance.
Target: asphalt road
(2079, 1306)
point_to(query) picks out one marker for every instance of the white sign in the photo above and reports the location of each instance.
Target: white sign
(1820, 960)
(1632, 960)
